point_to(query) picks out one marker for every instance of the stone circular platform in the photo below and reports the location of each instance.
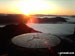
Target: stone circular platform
(36, 40)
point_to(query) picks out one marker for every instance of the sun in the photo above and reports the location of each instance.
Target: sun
(33, 6)
(25, 12)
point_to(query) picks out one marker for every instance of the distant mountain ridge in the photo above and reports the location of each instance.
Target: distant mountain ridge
(52, 20)
(19, 18)
(12, 18)
(16, 18)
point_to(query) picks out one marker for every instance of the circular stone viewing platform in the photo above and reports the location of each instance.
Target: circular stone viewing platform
(36, 40)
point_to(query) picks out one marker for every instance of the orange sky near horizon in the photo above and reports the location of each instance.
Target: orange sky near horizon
(47, 12)
(52, 7)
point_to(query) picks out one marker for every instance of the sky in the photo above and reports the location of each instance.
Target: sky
(54, 7)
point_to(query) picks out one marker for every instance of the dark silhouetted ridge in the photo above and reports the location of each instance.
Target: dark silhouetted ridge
(52, 20)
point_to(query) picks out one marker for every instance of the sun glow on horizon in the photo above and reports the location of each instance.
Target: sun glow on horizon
(34, 7)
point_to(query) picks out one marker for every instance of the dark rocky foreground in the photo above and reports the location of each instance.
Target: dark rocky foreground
(9, 31)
